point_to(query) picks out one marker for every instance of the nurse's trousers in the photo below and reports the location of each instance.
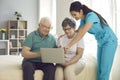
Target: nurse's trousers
(105, 57)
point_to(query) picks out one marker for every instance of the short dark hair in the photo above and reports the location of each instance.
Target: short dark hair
(70, 22)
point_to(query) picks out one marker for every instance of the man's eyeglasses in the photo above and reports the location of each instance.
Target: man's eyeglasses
(46, 27)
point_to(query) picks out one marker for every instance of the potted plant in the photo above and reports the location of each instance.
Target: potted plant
(3, 31)
(18, 15)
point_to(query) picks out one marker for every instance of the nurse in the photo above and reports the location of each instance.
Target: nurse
(95, 24)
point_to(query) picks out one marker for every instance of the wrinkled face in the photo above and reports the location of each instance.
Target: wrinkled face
(44, 28)
(69, 31)
(76, 15)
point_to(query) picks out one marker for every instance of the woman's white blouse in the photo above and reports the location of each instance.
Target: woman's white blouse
(63, 41)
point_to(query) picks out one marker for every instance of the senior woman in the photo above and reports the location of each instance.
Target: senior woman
(74, 61)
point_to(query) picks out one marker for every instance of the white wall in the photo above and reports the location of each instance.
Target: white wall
(47, 8)
(116, 66)
(28, 9)
(44, 8)
(62, 11)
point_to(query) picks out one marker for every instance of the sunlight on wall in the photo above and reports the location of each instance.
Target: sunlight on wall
(117, 13)
(47, 8)
(86, 2)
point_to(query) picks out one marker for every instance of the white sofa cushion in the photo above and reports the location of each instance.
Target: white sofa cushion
(10, 68)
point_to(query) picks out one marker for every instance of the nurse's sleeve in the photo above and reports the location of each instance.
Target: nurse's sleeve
(92, 17)
(82, 23)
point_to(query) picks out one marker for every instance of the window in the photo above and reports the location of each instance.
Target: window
(117, 18)
(47, 8)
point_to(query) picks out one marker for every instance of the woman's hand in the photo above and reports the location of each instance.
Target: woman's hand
(66, 63)
(66, 48)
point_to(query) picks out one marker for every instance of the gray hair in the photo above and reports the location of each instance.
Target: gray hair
(44, 20)
(70, 22)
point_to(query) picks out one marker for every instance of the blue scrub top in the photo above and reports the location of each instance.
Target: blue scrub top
(102, 34)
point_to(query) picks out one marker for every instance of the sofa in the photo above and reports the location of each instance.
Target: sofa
(10, 68)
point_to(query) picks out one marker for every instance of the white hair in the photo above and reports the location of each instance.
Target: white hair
(45, 19)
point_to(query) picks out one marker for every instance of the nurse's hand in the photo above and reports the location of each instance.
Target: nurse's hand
(66, 48)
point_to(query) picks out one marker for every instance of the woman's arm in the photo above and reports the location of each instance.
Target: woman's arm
(75, 59)
(81, 33)
(26, 53)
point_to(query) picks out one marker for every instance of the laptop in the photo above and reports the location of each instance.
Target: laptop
(52, 55)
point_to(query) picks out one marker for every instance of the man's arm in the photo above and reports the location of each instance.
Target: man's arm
(26, 53)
